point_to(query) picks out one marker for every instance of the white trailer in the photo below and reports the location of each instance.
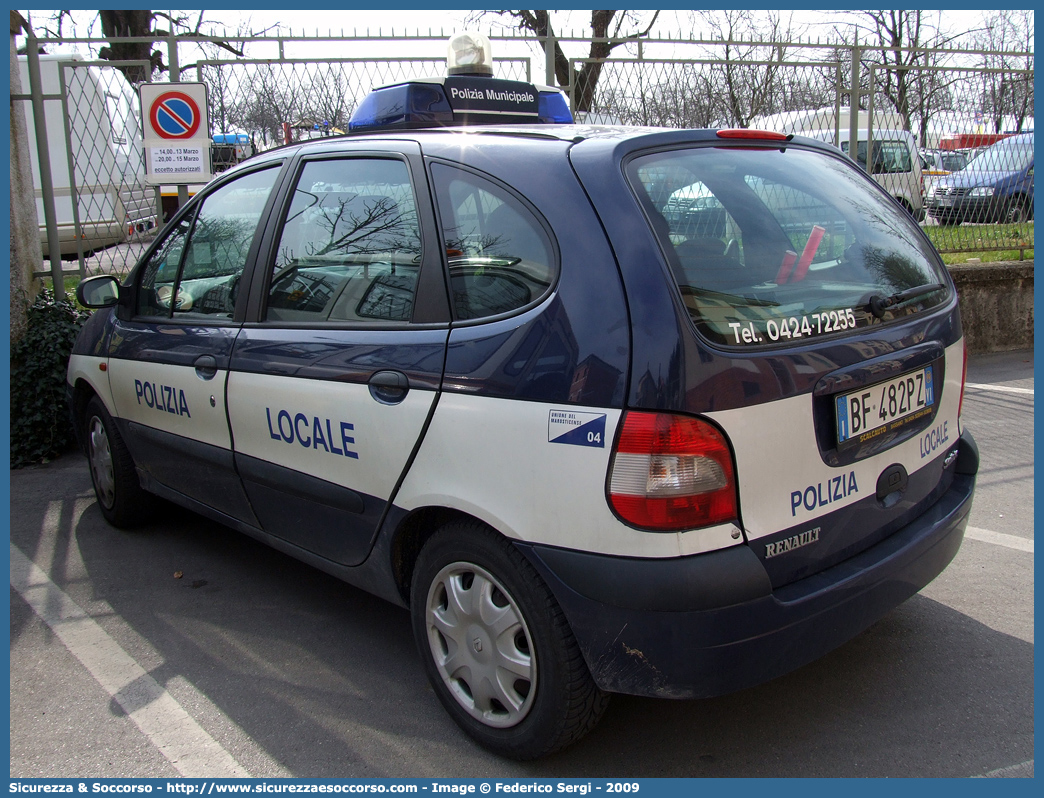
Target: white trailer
(113, 203)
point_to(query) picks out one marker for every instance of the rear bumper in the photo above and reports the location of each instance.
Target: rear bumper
(696, 627)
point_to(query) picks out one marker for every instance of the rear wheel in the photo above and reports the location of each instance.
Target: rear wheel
(906, 205)
(120, 496)
(1019, 211)
(496, 646)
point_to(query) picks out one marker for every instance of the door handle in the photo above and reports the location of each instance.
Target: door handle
(206, 367)
(389, 387)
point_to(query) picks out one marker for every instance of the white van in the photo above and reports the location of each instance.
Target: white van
(114, 204)
(895, 165)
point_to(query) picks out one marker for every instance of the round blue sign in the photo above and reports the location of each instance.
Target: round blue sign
(174, 115)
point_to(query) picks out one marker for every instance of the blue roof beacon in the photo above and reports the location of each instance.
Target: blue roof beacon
(467, 95)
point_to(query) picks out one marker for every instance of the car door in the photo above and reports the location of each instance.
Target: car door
(169, 359)
(333, 383)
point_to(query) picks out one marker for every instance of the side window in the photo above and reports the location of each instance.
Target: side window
(196, 271)
(890, 157)
(500, 259)
(161, 273)
(350, 248)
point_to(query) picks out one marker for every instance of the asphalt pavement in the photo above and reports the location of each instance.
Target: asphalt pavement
(186, 649)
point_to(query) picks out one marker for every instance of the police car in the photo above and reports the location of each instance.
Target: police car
(609, 410)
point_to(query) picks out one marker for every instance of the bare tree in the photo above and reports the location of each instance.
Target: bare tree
(1008, 92)
(271, 101)
(680, 98)
(903, 51)
(752, 80)
(329, 101)
(125, 23)
(607, 33)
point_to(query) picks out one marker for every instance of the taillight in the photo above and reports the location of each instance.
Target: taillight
(964, 379)
(670, 473)
(748, 133)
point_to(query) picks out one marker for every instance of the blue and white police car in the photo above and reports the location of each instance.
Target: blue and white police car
(658, 412)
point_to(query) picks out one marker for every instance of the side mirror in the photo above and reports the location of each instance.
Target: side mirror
(101, 291)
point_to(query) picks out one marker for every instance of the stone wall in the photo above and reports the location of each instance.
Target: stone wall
(996, 305)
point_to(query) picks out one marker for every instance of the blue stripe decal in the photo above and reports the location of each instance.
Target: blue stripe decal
(576, 429)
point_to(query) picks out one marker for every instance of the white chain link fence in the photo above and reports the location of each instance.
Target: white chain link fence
(106, 215)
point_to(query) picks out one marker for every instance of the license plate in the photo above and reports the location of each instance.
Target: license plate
(882, 408)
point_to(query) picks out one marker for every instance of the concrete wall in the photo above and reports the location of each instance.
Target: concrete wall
(996, 305)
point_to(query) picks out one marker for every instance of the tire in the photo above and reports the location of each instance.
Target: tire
(1019, 211)
(480, 613)
(121, 499)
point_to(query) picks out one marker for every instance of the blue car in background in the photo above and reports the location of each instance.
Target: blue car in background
(997, 186)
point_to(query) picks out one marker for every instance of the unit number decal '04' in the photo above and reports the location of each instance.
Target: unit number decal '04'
(576, 428)
(829, 321)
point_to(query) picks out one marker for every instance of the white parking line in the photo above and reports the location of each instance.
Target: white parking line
(190, 749)
(1022, 771)
(978, 386)
(999, 539)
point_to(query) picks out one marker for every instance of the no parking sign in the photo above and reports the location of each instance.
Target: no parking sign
(177, 132)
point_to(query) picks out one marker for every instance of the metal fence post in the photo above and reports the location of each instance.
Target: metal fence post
(74, 191)
(43, 152)
(870, 122)
(853, 106)
(175, 77)
(549, 58)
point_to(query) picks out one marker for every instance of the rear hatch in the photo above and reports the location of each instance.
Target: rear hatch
(820, 334)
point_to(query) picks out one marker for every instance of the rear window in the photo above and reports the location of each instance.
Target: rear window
(772, 245)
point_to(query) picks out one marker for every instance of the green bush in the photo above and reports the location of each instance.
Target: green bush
(40, 424)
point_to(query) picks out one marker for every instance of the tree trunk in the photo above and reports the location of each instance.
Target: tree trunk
(26, 253)
(130, 22)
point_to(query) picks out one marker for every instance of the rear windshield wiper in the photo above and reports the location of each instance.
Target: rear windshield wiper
(878, 304)
(734, 299)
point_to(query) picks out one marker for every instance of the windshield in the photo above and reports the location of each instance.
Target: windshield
(770, 245)
(1003, 157)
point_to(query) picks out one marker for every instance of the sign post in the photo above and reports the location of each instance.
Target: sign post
(177, 133)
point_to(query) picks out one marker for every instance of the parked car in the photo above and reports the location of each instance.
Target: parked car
(996, 186)
(939, 163)
(942, 162)
(658, 412)
(894, 163)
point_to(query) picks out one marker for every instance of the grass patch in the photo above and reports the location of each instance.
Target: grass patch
(70, 281)
(989, 243)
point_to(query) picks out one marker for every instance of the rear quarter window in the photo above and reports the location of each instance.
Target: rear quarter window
(772, 245)
(499, 256)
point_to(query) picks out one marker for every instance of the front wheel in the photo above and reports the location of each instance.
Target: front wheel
(120, 496)
(496, 646)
